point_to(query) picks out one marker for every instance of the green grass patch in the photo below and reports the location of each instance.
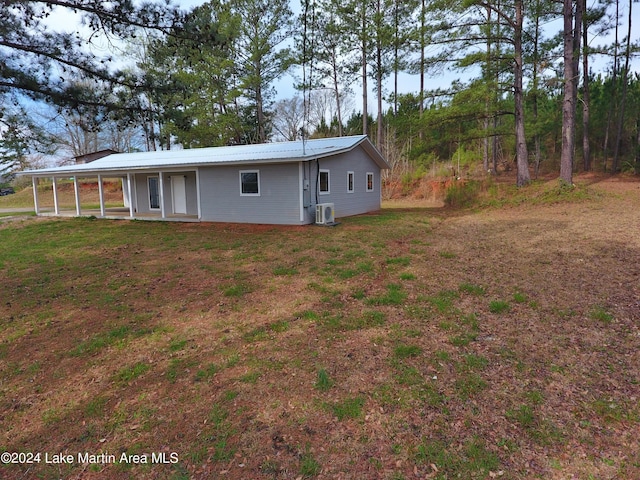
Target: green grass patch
(470, 384)
(524, 415)
(279, 326)
(350, 272)
(96, 406)
(237, 290)
(341, 323)
(468, 330)
(394, 296)
(600, 314)
(97, 343)
(382, 218)
(469, 460)
(474, 362)
(406, 375)
(251, 377)
(177, 366)
(207, 372)
(403, 261)
(309, 466)
(369, 319)
(471, 289)
(348, 408)
(221, 430)
(177, 344)
(609, 410)
(128, 374)
(499, 306)
(256, 335)
(407, 276)
(519, 297)
(323, 381)
(443, 301)
(406, 351)
(285, 271)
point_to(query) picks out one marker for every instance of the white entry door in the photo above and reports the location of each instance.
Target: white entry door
(179, 194)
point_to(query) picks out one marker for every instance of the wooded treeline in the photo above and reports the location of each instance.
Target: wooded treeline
(529, 95)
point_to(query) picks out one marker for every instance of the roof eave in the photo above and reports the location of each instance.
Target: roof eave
(54, 172)
(91, 169)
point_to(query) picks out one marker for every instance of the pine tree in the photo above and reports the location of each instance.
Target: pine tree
(264, 26)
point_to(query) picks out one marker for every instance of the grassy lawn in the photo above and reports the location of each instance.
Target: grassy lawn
(500, 342)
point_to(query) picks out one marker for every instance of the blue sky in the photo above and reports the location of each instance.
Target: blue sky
(407, 83)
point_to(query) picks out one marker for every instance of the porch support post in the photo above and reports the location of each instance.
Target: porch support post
(198, 194)
(129, 191)
(163, 213)
(36, 204)
(125, 193)
(56, 205)
(101, 193)
(76, 190)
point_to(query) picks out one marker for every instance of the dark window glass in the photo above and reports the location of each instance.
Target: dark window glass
(250, 183)
(324, 182)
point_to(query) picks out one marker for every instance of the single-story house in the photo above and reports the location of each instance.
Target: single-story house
(291, 183)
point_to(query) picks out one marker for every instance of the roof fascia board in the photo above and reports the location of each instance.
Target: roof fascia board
(375, 154)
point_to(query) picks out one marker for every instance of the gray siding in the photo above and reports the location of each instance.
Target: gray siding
(346, 204)
(141, 191)
(278, 202)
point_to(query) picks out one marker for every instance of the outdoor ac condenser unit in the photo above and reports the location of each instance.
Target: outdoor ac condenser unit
(325, 214)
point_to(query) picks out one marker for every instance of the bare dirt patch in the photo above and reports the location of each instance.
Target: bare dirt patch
(414, 343)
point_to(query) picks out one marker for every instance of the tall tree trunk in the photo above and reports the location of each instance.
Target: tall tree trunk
(423, 45)
(306, 87)
(496, 120)
(396, 60)
(380, 132)
(536, 85)
(336, 89)
(614, 86)
(365, 100)
(577, 38)
(261, 133)
(522, 158)
(487, 102)
(568, 103)
(586, 100)
(625, 75)
(380, 129)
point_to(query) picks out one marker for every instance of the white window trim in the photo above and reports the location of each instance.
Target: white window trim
(351, 176)
(373, 185)
(328, 182)
(159, 208)
(240, 180)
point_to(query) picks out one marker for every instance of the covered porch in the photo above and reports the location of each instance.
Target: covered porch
(149, 195)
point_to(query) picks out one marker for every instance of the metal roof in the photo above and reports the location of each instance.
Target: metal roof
(280, 152)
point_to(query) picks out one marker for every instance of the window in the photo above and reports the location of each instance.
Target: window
(154, 192)
(349, 182)
(250, 182)
(369, 181)
(324, 182)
